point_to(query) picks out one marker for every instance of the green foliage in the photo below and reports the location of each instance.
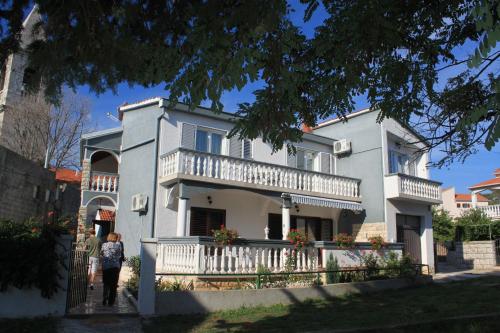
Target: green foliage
(176, 285)
(344, 240)
(332, 265)
(443, 227)
(29, 257)
(297, 238)
(134, 263)
(224, 236)
(475, 225)
(399, 63)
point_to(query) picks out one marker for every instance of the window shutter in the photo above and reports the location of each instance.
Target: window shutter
(326, 230)
(187, 136)
(325, 159)
(198, 222)
(247, 149)
(291, 160)
(235, 147)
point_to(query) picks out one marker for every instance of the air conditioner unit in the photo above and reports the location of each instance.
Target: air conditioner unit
(139, 202)
(341, 147)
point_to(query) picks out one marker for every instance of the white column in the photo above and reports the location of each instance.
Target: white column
(474, 199)
(147, 293)
(427, 241)
(285, 215)
(182, 217)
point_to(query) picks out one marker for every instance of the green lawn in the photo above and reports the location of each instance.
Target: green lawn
(478, 296)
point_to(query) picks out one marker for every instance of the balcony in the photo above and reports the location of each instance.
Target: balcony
(219, 169)
(492, 211)
(103, 182)
(410, 188)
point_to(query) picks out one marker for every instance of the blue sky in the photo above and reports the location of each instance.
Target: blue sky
(475, 169)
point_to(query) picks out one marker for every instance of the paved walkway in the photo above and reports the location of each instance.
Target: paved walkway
(448, 273)
(93, 305)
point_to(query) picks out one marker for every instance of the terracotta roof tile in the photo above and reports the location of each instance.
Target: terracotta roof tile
(106, 215)
(468, 197)
(489, 182)
(68, 175)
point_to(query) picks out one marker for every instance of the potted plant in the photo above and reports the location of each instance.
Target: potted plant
(224, 236)
(297, 238)
(344, 240)
(377, 242)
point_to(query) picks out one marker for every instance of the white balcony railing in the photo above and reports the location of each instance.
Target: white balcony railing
(412, 188)
(103, 182)
(200, 255)
(225, 169)
(492, 211)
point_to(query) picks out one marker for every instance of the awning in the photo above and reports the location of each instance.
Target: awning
(324, 202)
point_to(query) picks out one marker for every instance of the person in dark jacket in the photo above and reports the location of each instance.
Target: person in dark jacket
(111, 253)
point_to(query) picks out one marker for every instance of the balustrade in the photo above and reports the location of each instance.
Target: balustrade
(103, 182)
(229, 169)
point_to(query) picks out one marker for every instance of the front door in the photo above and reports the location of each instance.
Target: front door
(204, 220)
(408, 232)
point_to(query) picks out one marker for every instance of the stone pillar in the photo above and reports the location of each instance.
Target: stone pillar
(285, 215)
(85, 175)
(182, 217)
(82, 224)
(147, 293)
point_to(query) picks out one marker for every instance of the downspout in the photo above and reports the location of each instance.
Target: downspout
(155, 172)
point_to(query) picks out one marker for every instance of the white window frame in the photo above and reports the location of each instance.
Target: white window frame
(316, 161)
(210, 130)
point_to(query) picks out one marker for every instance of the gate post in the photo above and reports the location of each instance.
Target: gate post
(147, 293)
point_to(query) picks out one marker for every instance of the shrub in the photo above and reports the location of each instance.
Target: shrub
(134, 263)
(224, 236)
(443, 227)
(332, 265)
(28, 256)
(175, 285)
(344, 240)
(474, 225)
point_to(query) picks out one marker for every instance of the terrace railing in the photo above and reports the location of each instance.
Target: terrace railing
(196, 165)
(201, 255)
(492, 211)
(103, 182)
(412, 188)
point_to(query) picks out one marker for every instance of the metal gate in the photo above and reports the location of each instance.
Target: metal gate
(77, 279)
(441, 251)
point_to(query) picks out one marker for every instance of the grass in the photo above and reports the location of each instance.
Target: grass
(39, 325)
(397, 307)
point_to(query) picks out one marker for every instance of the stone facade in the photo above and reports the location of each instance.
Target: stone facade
(82, 224)
(26, 188)
(476, 255)
(85, 175)
(361, 232)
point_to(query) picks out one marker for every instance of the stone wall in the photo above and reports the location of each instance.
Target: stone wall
(23, 187)
(476, 255)
(363, 231)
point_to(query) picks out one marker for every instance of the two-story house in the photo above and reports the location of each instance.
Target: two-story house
(180, 175)
(396, 191)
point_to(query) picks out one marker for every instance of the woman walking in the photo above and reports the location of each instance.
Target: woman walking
(111, 253)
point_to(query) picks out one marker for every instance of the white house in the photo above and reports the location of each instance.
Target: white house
(180, 177)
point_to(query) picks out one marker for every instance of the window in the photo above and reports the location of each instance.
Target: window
(209, 141)
(204, 220)
(247, 149)
(465, 205)
(401, 163)
(306, 159)
(458, 205)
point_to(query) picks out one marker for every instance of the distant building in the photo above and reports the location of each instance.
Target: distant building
(67, 194)
(457, 203)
